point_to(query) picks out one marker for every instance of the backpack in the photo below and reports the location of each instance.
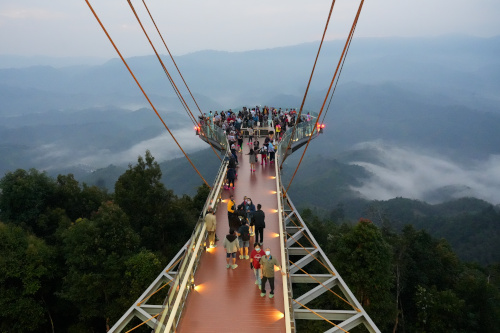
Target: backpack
(245, 235)
(232, 162)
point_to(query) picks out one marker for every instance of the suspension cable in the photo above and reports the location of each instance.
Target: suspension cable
(142, 90)
(171, 57)
(309, 83)
(183, 102)
(337, 81)
(176, 89)
(351, 33)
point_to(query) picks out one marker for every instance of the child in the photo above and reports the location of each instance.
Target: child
(263, 155)
(253, 159)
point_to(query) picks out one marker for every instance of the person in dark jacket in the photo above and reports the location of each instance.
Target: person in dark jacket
(259, 223)
(231, 176)
(250, 209)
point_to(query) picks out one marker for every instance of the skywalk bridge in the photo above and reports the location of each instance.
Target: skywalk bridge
(204, 296)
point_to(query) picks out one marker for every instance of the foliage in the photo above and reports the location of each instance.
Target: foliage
(25, 195)
(162, 219)
(96, 251)
(409, 281)
(364, 258)
(71, 260)
(25, 267)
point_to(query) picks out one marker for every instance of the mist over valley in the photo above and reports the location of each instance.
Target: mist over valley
(425, 110)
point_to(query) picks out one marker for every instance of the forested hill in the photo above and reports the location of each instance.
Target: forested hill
(328, 187)
(73, 258)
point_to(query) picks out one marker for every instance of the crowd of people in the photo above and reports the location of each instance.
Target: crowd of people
(246, 221)
(250, 122)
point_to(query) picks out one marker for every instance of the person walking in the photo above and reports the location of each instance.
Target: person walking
(255, 257)
(250, 136)
(210, 223)
(244, 239)
(231, 176)
(253, 160)
(267, 264)
(270, 149)
(250, 210)
(239, 136)
(263, 154)
(259, 224)
(231, 245)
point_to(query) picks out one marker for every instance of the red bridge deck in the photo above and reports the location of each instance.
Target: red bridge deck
(227, 300)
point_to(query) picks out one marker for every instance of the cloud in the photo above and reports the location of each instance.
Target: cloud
(162, 148)
(59, 155)
(30, 14)
(403, 172)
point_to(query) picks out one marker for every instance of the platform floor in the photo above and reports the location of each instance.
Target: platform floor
(227, 300)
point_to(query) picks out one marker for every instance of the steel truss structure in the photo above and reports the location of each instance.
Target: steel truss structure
(301, 244)
(145, 312)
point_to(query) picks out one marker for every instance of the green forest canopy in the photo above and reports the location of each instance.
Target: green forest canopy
(73, 257)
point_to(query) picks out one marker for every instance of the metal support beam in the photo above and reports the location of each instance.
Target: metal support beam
(310, 278)
(304, 261)
(329, 278)
(300, 251)
(315, 292)
(349, 324)
(328, 314)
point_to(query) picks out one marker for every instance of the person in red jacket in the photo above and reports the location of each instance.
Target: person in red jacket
(255, 256)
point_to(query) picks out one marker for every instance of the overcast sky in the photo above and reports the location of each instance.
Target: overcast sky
(67, 27)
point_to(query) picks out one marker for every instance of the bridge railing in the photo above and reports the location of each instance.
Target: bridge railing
(184, 281)
(303, 130)
(214, 132)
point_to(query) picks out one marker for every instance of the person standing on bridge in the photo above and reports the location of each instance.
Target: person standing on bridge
(255, 256)
(231, 206)
(244, 239)
(259, 224)
(270, 149)
(231, 245)
(250, 136)
(211, 224)
(267, 264)
(253, 159)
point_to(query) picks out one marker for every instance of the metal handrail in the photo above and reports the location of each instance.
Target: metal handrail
(180, 288)
(287, 286)
(178, 292)
(302, 130)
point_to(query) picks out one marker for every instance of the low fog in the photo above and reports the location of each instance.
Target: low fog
(162, 148)
(418, 174)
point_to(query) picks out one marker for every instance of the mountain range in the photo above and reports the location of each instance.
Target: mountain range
(422, 106)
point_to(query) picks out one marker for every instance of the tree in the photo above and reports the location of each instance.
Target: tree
(78, 202)
(25, 195)
(364, 259)
(96, 251)
(164, 221)
(25, 266)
